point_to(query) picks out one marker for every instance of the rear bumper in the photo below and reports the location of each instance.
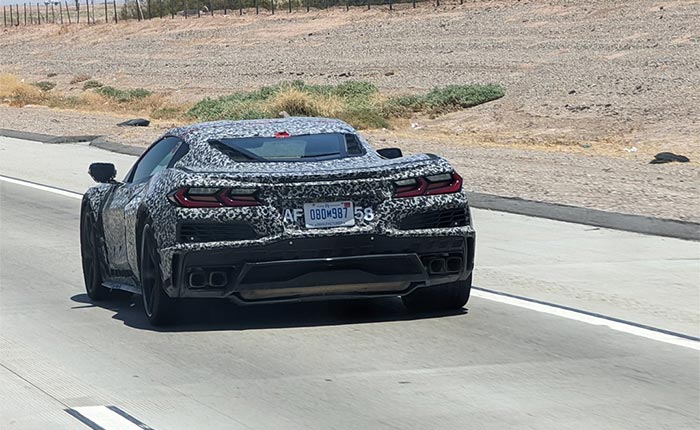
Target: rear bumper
(322, 267)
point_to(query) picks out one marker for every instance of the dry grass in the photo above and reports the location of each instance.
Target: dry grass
(299, 103)
(17, 93)
(358, 103)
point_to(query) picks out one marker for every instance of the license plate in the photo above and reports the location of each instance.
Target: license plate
(329, 214)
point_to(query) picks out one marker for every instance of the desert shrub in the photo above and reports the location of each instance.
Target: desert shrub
(124, 95)
(455, 97)
(356, 89)
(91, 84)
(45, 85)
(295, 103)
(167, 112)
(18, 93)
(356, 102)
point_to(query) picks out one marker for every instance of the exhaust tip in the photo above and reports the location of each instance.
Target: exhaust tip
(218, 279)
(197, 279)
(437, 265)
(454, 264)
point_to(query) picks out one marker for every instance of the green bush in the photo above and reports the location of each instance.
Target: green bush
(124, 95)
(455, 97)
(356, 102)
(91, 84)
(45, 85)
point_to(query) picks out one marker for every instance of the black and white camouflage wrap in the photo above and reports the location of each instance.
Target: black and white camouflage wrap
(367, 180)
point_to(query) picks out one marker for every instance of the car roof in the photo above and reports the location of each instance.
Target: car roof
(203, 132)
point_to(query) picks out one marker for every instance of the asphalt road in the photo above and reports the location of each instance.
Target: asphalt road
(347, 365)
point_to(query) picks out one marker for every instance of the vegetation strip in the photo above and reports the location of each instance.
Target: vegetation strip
(359, 103)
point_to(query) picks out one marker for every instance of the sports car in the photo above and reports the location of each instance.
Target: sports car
(276, 210)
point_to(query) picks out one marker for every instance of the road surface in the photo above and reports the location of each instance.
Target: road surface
(348, 365)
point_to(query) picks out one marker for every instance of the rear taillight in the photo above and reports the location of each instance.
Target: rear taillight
(444, 183)
(209, 197)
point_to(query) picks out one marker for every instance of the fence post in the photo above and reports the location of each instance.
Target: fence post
(368, 4)
(437, 3)
(172, 10)
(60, 12)
(225, 8)
(4, 16)
(116, 20)
(240, 6)
(199, 12)
(17, 8)
(68, 13)
(38, 13)
(148, 8)
(414, 4)
(391, 5)
(24, 5)
(307, 5)
(272, 2)
(160, 8)
(186, 9)
(211, 8)
(87, 6)
(257, 8)
(289, 2)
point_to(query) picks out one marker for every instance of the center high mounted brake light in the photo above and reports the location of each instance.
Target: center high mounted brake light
(444, 183)
(199, 197)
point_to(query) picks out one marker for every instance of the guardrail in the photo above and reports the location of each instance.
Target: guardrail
(86, 12)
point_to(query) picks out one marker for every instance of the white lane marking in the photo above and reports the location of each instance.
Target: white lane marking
(54, 190)
(588, 319)
(103, 417)
(513, 301)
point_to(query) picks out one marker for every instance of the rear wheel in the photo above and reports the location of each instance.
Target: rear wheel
(439, 297)
(91, 256)
(160, 309)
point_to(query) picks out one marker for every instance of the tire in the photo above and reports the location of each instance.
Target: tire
(443, 297)
(159, 308)
(91, 256)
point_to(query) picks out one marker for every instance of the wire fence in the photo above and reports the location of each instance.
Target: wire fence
(92, 12)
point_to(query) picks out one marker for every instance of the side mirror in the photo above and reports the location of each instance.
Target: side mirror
(390, 152)
(102, 172)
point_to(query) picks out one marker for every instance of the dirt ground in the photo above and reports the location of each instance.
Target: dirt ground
(594, 87)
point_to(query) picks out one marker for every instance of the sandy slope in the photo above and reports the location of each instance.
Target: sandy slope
(585, 80)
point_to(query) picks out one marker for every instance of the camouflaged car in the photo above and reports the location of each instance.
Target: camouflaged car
(277, 210)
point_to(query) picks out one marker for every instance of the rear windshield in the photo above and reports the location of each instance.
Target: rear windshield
(290, 148)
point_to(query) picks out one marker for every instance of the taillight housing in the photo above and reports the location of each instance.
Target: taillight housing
(213, 197)
(444, 183)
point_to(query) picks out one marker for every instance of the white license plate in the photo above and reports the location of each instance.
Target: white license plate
(330, 214)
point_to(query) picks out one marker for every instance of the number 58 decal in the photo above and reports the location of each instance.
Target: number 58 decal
(366, 214)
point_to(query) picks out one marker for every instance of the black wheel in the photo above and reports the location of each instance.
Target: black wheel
(91, 256)
(439, 297)
(160, 309)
